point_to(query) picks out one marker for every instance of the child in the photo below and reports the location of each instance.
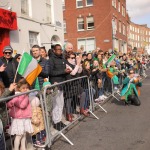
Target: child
(97, 77)
(39, 133)
(20, 111)
(112, 73)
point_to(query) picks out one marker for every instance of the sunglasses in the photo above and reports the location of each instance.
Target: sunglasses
(8, 53)
(72, 57)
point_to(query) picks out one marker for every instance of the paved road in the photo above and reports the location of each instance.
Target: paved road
(123, 128)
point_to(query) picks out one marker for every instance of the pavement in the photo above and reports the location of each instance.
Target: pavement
(122, 128)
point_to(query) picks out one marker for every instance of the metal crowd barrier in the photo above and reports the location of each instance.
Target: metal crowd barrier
(62, 104)
(36, 124)
(65, 102)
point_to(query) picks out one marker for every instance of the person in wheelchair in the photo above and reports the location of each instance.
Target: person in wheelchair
(130, 91)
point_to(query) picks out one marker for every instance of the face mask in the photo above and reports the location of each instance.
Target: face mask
(72, 61)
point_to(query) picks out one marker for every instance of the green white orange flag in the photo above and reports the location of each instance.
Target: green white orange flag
(110, 59)
(29, 68)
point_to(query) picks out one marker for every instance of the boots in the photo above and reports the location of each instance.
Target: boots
(69, 117)
(84, 112)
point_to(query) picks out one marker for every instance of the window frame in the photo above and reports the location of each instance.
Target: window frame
(80, 23)
(64, 26)
(48, 11)
(26, 10)
(119, 8)
(87, 27)
(90, 4)
(37, 38)
(86, 41)
(63, 5)
(77, 4)
(120, 26)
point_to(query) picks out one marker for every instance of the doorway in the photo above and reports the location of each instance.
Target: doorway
(4, 39)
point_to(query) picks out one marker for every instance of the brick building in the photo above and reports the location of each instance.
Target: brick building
(139, 37)
(89, 23)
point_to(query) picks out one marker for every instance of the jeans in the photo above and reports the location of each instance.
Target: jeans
(87, 98)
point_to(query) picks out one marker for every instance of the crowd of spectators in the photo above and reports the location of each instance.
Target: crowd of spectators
(60, 65)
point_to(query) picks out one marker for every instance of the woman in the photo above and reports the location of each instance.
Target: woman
(130, 91)
(17, 57)
(43, 52)
(74, 89)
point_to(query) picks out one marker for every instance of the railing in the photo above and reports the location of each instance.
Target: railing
(58, 107)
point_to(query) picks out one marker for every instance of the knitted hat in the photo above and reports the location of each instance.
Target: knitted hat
(46, 82)
(7, 48)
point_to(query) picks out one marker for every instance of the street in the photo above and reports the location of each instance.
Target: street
(122, 128)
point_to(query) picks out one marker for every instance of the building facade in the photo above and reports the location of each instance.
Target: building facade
(139, 37)
(96, 23)
(38, 22)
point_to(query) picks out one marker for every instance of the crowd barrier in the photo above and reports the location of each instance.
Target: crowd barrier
(62, 104)
(9, 126)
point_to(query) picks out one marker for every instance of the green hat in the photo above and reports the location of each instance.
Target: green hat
(46, 82)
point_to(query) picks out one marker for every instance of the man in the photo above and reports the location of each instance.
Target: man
(11, 66)
(58, 70)
(68, 48)
(35, 51)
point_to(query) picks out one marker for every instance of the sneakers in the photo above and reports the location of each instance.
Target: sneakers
(100, 99)
(115, 88)
(104, 97)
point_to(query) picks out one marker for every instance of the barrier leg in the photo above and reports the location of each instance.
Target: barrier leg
(102, 108)
(93, 114)
(115, 97)
(66, 139)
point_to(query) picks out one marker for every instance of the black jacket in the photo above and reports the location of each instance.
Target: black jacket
(57, 69)
(10, 71)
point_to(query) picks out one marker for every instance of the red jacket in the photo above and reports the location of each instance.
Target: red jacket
(19, 107)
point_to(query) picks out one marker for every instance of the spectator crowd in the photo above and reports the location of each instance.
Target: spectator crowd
(104, 70)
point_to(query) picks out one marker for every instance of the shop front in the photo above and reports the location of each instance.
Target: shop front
(8, 21)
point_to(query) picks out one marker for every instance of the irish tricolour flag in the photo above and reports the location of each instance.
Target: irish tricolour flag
(29, 68)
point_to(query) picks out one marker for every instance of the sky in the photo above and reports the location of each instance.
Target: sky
(139, 11)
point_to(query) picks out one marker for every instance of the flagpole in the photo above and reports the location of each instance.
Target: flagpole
(18, 66)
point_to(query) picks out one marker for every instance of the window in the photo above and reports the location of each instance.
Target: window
(122, 10)
(24, 7)
(48, 11)
(65, 26)
(79, 3)
(89, 2)
(116, 24)
(138, 38)
(63, 4)
(80, 22)
(33, 38)
(114, 3)
(118, 6)
(88, 44)
(120, 27)
(124, 29)
(90, 23)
